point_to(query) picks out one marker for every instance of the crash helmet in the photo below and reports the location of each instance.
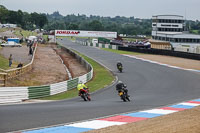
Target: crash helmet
(119, 81)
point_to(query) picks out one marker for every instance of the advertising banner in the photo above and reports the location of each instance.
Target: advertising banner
(79, 33)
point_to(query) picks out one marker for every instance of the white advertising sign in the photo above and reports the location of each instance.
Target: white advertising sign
(80, 33)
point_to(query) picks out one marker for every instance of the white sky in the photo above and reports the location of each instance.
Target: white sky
(136, 8)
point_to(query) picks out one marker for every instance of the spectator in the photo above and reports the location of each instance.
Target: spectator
(19, 65)
(30, 50)
(10, 60)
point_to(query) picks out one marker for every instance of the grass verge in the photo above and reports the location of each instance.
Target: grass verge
(102, 77)
(4, 63)
(24, 33)
(121, 51)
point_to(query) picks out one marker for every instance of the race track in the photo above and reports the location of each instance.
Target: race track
(149, 85)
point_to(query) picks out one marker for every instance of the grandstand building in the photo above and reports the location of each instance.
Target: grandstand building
(169, 32)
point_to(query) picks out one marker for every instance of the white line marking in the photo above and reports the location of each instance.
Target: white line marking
(190, 104)
(160, 111)
(95, 124)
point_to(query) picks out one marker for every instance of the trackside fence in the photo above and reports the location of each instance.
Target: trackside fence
(163, 52)
(99, 45)
(17, 94)
(12, 73)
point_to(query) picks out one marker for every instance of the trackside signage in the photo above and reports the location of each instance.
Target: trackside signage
(80, 33)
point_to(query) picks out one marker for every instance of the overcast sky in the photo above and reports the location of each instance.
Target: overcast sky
(136, 8)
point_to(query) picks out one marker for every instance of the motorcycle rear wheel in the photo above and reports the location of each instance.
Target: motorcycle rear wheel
(84, 97)
(128, 99)
(123, 98)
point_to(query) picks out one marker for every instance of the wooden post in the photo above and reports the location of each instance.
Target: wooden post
(5, 80)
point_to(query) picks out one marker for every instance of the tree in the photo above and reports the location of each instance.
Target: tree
(42, 20)
(96, 26)
(73, 26)
(3, 14)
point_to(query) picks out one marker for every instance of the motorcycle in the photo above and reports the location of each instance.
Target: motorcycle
(85, 94)
(120, 68)
(124, 95)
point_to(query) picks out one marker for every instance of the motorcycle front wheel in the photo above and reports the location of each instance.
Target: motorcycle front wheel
(84, 97)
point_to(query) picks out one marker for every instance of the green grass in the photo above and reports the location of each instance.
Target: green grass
(4, 63)
(121, 51)
(194, 31)
(3, 29)
(102, 77)
(133, 39)
(45, 37)
(25, 33)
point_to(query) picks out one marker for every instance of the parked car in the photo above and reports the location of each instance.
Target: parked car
(11, 44)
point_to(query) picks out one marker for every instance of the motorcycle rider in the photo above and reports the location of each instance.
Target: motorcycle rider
(81, 87)
(121, 86)
(119, 64)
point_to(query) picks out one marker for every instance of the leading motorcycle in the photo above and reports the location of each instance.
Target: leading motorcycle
(124, 95)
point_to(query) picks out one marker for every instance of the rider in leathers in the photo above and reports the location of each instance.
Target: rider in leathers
(81, 87)
(119, 64)
(120, 86)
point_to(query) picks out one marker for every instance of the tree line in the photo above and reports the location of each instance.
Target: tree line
(122, 25)
(119, 24)
(22, 19)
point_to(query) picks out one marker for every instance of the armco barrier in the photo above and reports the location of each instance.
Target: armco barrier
(39, 91)
(13, 94)
(17, 94)
(87, 43)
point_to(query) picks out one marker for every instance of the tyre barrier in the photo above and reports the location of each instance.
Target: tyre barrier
(19, 94)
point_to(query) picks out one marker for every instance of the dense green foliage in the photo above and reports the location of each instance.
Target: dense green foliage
(194, 26)
(22, 19)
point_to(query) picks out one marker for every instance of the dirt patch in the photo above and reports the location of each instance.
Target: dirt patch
(75, 68)
(48, 68)
(174, 61)
(186, 121)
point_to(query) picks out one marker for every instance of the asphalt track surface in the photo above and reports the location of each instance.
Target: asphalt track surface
(150, 86)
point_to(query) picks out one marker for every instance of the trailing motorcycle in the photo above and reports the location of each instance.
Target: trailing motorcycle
(124, 95)
(84, 93)
(120, 68)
